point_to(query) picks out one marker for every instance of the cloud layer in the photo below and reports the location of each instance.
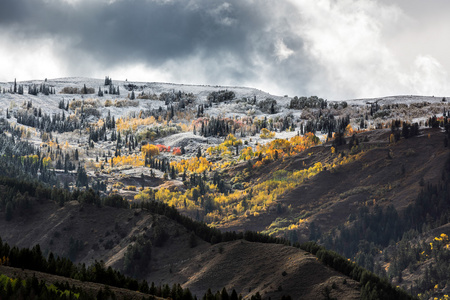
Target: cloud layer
(331, 48)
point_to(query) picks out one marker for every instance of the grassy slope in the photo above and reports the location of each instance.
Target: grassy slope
(331, 196)
(247, 267)
(270, 269)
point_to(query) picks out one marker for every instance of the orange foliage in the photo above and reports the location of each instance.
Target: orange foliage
(176, 151)
(163, 148)
(349, 130)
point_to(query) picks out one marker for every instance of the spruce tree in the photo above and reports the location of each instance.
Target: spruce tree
(9, 211)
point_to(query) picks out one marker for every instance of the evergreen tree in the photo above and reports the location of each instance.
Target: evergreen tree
(8, 211)
(234, 295)
(82, 178)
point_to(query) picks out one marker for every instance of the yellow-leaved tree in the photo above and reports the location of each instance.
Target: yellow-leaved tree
(227, 148)
(150, 150)
(266, 134)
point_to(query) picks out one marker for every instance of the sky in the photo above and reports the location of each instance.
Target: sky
(335, 49)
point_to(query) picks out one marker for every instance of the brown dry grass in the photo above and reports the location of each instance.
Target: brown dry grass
(270, 269)
(331, 196)
(244, 266)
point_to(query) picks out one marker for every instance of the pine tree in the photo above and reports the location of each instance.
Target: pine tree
(173, 174)
(9, 211)
(82, 179)
(234, 295)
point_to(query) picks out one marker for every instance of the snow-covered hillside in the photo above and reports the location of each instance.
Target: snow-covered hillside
(49, 103)
(178, 115)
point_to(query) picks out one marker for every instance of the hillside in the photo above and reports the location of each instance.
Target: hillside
(270, 269)
(382, 174)
(363, 177)
(91, 289)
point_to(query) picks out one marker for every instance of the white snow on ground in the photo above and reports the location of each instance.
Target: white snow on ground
(238, 108)
(235, 108)
(49, 104)
(405, 99)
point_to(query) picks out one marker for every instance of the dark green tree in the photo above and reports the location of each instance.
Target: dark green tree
(9, 211)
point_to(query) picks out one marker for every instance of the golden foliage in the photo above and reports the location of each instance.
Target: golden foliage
(46, 161)
(150, 150)
(193, 165)
(266, 134)
(226, 148)
(135, 160)
(131, 124)
(280, 148)
(4, 261)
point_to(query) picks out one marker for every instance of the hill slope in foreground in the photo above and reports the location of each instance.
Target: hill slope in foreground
(272, 270)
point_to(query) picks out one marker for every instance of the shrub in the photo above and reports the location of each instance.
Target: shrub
(266, 134)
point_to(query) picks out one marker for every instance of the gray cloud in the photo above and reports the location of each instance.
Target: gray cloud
(335, 49)
(237, 37)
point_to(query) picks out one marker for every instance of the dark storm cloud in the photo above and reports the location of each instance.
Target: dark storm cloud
(153, 32)
(331, 48)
